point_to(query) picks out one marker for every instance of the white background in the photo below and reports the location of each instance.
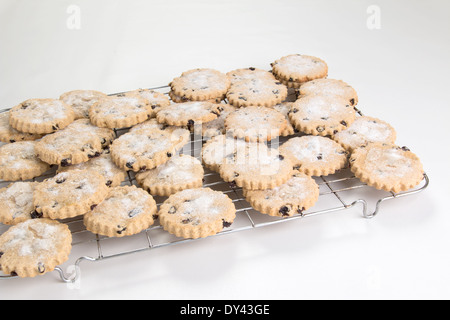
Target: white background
(400, 72)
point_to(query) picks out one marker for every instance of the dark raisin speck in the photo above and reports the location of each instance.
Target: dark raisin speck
(95, 155)
(36, 215)
(284, 211)
(121, 229)
(65, 163)
(226, 224)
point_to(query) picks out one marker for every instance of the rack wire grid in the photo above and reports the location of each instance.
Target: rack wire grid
(338, 192)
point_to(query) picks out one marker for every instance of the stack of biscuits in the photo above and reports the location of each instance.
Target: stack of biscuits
(70, 157)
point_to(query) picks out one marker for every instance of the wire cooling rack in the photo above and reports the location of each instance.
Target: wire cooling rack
(338, 192)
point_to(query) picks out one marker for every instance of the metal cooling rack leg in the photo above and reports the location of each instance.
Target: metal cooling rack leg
(73, 277)
(370, 215)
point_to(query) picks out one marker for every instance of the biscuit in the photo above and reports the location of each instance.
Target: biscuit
(365, 130)
(256, 167)
(81, 101)
(10, 135)
(298, 69)
(321, 115)
(248, 74)
(387, 167)
(17, 202)
(77, 143)
(34, 247)
(215, 127)
(189, 113)
(178, 135)
(197, 213)
(293, 197)
(216, 150)
(102, 164)
(120, 111)
(284, 108)
(125, 211)
(69, 194)
(179, 173)
(41, 116)
(18, 161)
(257, 92)
(331, 87)
(156, 100)
(143, 149)
(255, 124)
(200, 84)
(315, 155)
(178, 99)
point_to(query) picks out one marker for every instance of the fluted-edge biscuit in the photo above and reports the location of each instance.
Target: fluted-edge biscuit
(102, 164)
(179, 173)
(41, 116)
(200, 84)
(333, 87)
(297, 68)
(217, 126)
(293, 197)
(120, 111)
(387, 167)
(189, 113)
(17, 202)
(315, 155)
(322, 115)
(44, 244)
(284, 108)
(75, 144)
(125, 211)
(10, 135)
(81, 101)
(256, 167)
(255, 124)
(18, 161)
(178, 99)
(69, 194)
(143, 149)
(249, 73)
(197, 213)
(156, 100)
(217, 149)
(262, 91)
(365, 130)
(178, 135)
